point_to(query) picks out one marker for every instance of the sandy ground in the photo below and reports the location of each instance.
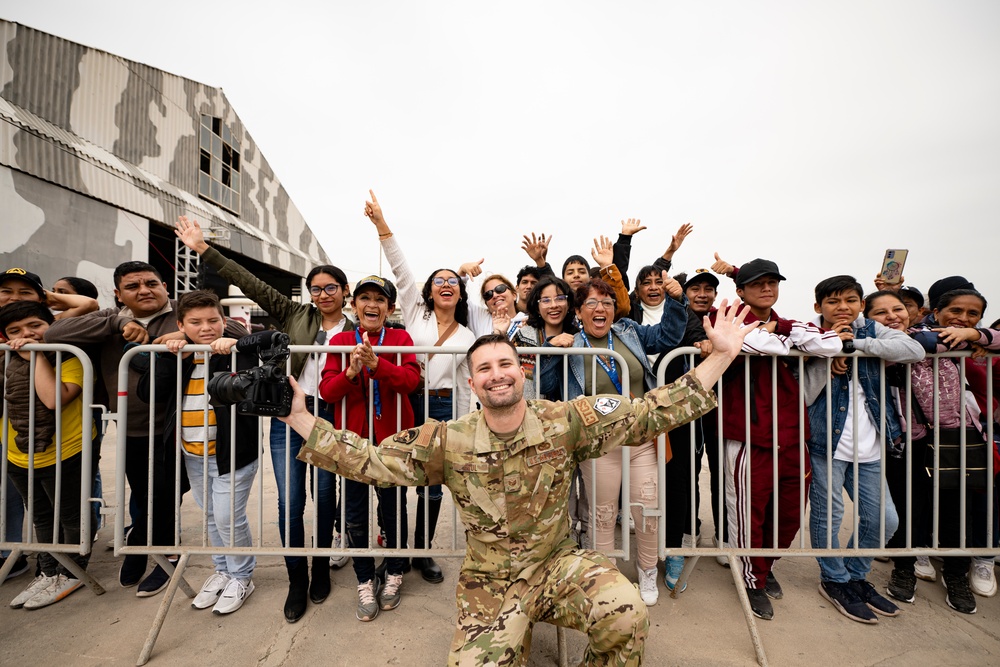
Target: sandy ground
(703, 626)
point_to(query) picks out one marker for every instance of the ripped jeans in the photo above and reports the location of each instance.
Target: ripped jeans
(605, 493)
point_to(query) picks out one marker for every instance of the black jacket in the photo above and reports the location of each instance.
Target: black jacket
(247, 426)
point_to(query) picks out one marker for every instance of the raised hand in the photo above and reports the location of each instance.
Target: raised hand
(881, 285)
(366, 355)
(722, 267)
(677, 240)
(190, 234)
(537, 247)
(728, 332)
(471, 269)
(501, 320)
(632, 226)
(374, 213)
(603, 252)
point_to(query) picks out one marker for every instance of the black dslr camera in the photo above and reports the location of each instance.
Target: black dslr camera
(264, 390)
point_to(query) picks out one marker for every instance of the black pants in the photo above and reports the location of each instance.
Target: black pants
(44, 517)
(163, 487)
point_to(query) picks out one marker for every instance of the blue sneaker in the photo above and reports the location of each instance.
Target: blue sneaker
(672, 571)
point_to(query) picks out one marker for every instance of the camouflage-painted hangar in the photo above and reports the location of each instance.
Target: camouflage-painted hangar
(99, 155)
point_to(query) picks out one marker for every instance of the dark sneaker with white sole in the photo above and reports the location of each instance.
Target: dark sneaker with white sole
(772, 587)
(760, 604)
(960, 597)
(871, 597)
(902, 585)
(847, 602)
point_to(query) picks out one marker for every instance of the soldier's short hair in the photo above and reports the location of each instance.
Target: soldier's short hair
(491, 339)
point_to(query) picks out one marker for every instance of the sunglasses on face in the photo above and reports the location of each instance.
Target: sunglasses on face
(592, 304)
(552, 300)
(439, 281)
(499, 289)
(330, 289)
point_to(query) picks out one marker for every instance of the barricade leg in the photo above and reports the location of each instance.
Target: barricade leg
(15, 554)
(176, 579)
(741, 591)
(79, 573)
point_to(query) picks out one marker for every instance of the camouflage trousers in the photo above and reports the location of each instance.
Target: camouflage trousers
(576, 589)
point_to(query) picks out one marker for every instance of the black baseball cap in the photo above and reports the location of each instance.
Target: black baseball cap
(27, 276)
(912, 293)
(702, 276)
(945, 285)
(382, 284)
(757, 268)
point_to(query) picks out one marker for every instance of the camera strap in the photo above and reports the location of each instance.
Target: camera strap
(366, 374)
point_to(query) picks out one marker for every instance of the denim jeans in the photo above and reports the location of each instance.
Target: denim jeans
(323, 485)
(231, 487)
(838, 569)
(388, 513)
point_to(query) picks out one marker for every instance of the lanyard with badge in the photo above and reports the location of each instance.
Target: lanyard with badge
(612, 369)
(366, 374)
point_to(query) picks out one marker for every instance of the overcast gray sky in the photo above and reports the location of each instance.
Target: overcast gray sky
(814, 134)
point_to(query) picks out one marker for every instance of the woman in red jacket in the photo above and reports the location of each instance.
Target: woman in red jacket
(374, 389)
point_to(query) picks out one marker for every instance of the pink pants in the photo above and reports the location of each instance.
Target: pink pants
(643, 487)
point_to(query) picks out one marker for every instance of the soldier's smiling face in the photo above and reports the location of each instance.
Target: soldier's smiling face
(497, 377)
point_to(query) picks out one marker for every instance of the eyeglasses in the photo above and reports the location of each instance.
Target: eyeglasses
(591, 304)
(439, 281)
(330, 289)
(549, 300)
(499, 289)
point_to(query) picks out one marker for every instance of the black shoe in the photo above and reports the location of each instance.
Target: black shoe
(298, 591)
(133, 567)
(772, 587)
(429, 570)
(319, 583)
(847, 602)
(760, 604)
(902, 585)
(871, 597)
(20, 567)
(960, 597)
(154, 583)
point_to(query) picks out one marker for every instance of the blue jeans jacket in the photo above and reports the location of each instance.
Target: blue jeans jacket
(868, 371)
(640, 339)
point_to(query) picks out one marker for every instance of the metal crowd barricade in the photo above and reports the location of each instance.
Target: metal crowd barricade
(9, 496)
(904, 506)
(198, 544)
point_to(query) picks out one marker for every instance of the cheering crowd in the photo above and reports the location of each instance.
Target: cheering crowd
(866, 417)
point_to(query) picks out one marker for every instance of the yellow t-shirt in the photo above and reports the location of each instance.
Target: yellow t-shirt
(72, 425)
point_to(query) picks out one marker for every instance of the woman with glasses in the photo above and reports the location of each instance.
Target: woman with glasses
(306, 324)
(437, 315)
(595, 308)
(551, 315)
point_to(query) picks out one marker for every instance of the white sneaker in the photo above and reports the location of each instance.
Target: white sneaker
(59, 588)
(233, 596)
(688, 541)
(40, 583)
(924, 570)
(722, 560)
(982, 579)
(631, 523)
(211, 590)
(337, 562)
(648, 590)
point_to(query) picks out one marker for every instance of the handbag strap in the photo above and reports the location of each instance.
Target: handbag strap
(445, 336)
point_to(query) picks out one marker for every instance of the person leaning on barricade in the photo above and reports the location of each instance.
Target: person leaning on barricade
(843, 581)
(207, 431)
(602, 478)
(147, 315)
(757, 284)
(25, 323)
(435, 315)
(313, 323)
(950, 326)
(509, 467)
(381, 381)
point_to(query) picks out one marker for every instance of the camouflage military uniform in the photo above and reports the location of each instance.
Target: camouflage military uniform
(521, 566)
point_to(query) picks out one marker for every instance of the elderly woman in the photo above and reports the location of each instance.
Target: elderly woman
(313, 323)
(436, 315)
(595, 307)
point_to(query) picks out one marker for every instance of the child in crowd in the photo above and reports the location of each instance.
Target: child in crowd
(379, 383)
(858, 425)
(25, 323)
(210, 447)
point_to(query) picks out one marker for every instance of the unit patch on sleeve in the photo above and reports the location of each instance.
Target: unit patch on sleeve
(606, 405)
(586, 412)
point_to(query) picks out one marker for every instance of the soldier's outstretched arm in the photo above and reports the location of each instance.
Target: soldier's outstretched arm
(410, 458)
